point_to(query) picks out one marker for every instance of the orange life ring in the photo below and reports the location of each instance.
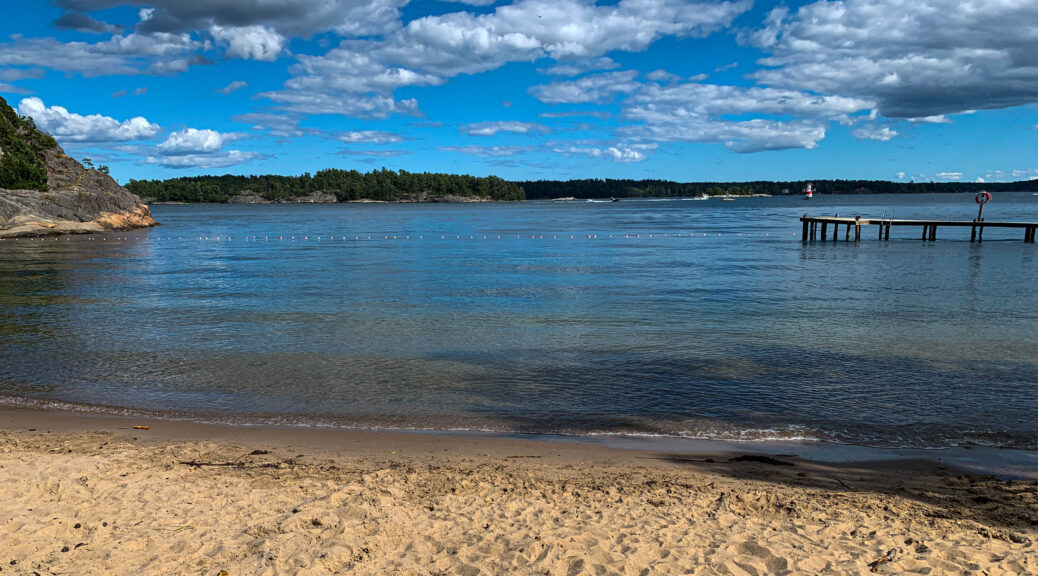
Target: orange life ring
(983, 197)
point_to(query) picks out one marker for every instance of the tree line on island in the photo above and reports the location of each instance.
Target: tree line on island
(401, 186)
(346, 185)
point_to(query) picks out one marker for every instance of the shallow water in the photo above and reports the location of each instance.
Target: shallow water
(702, 319)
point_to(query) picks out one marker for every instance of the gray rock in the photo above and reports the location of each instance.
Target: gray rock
(78, 201)
(313, 198)
(247, 197)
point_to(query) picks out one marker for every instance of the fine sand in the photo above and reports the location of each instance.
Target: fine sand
(92, 495)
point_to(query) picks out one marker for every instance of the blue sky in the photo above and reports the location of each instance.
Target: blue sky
(939, 90)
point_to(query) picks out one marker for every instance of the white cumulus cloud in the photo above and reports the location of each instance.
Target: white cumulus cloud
(193, 141)
(375, 153)
(233, 87)
(873, 132)
(915, 59)
(287, 17)
(70, 127)
(120, 55)
(429, 50)
(486, 151)
(620, 153)
(249, 42)
(194, 148)
(220, 160)
(370, 136)
(599, 88)
(492, 128)
(695, 112)
(577, 67)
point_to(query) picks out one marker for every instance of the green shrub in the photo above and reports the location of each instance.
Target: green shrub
(22, 166)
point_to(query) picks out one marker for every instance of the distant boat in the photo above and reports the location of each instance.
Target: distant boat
(702, 197)
(727, 199)
(613, 200)
(809, 192)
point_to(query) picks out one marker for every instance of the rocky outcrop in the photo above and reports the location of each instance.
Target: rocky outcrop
(247, 197)
(450, 198)
(77, 199)
(313, 198)
(442, 198)
(250, 197)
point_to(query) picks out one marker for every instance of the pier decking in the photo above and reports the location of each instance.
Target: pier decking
(817, 227)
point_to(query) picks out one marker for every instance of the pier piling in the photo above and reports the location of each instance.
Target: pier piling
(810, 227)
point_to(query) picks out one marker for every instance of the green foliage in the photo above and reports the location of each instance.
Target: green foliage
(22, 166)
(383, 185)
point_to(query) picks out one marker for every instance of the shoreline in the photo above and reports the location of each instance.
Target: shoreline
(91, 494)
(1004, 463)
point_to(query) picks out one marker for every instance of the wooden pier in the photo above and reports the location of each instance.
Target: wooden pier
(817, 227)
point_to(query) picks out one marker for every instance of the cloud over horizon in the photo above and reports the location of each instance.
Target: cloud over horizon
(94, 128)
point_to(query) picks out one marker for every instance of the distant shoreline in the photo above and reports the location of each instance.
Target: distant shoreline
(561, 200)
(334, 185)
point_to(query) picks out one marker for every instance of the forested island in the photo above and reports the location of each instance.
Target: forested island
(335, 185)
(331, 185)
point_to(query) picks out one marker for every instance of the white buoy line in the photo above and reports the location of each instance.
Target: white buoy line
(390, 237)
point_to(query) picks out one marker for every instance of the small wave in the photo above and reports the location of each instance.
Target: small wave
(790, 434)
(717, 431)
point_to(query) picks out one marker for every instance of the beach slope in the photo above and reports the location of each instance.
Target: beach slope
(96, 496)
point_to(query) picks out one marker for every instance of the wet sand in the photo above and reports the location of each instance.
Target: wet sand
(92, 495)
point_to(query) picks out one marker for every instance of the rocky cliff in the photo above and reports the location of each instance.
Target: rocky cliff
(44, 191)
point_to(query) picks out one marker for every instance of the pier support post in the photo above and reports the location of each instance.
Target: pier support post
(817, 228)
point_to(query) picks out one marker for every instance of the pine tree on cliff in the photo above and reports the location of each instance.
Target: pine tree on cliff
(22, 147)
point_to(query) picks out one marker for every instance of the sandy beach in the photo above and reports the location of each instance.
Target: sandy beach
(94, 495)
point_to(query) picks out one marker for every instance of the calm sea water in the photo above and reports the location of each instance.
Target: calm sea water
(702, 319)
